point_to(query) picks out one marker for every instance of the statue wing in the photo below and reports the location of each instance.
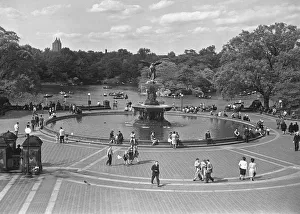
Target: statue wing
(157, 63)
(145, 63)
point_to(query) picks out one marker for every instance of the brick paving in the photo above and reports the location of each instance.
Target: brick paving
(127, 189)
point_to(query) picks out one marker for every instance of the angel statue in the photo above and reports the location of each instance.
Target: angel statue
(152, 70)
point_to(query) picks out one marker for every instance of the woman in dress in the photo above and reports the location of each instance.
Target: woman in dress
(252, 169)
(174, 140)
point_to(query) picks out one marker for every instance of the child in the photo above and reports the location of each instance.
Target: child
(67, 138)
(125, 158)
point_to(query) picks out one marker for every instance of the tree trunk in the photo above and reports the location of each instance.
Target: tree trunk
(266, 101)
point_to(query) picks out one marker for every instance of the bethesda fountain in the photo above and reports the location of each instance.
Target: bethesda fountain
(151, 112)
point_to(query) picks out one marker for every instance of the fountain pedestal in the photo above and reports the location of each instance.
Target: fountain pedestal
(151, 112)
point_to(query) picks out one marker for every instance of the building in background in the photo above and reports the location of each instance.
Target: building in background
(56, 45)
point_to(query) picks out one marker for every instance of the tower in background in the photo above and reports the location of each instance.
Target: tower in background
(56, 45)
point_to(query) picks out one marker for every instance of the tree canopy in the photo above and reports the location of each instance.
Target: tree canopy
(258, 60)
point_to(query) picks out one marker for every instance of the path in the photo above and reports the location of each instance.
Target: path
(76, 180)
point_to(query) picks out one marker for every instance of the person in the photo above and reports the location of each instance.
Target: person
(173, 137)
(291, 128)
(268, 130)
(243, 167)
(98, 103)
(209, 170)
(130, 154)
(32, 123)
(203, 169)
(237, 134)
(208, 137)
(296, 127)
(246, 134)
(61, 135)
(252, 169)
(18, 150)
(16, 128)
(153, 139)
(155, 172)
(170, 139)
(283, 127)
(41, 122)
(120, 137)
(132, 138)
(177, 139)
(197, 170)
(109, 155)
(111, 137)
(136, 154)
(125, 157)
(296, 140)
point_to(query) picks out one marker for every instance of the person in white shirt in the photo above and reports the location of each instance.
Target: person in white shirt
(61, 135)
(16, 127)
(243, 168)
(197, 170)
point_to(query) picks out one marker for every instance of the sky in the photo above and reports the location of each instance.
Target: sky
(160, 25)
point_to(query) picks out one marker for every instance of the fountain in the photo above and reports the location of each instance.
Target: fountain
(151, 112)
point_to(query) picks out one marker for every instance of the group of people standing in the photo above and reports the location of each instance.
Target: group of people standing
(174, 139)
(117, 139)
(203, 170)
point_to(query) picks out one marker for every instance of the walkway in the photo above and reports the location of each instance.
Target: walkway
(76, 180)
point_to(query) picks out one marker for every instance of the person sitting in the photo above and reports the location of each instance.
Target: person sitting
(237, 134)
(98, 103)
(153, 139)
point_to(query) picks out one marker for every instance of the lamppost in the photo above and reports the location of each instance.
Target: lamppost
(28, 131)
(181, 99)
(89, 100)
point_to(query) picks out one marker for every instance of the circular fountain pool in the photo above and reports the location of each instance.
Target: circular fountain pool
(189, 127)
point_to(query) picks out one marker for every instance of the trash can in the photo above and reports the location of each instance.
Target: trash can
(32, 154)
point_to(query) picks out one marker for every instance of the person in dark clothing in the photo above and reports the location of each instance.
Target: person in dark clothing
(283, 127)
(246, 134)
(291, 128)
(155, 172)
(296, 127)
(296, 141)
(208, 137)
(18, 150)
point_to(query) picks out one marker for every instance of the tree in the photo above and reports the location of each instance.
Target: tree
(254, 59)
(17, 67)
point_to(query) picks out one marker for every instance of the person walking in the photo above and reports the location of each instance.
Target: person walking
(16, 128)
(296, 127)
(291, 128)
(283, 127)
(209, 170)
(61, 135)
(41, 122)
(252, 169)
(197, 170)
(296, 140)
(243, 167)
(155, 172)
(109, 155)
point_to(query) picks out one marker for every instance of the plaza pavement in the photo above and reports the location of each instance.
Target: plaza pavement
(75, 179)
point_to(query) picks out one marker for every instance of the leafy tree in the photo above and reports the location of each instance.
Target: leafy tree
(17, 66)
(254, 59)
